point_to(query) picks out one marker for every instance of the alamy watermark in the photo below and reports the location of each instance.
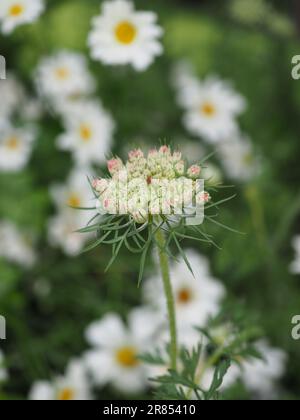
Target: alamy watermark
(2, 328)
(296, 67)
(176, 197)
(2, 68)
(296, 328)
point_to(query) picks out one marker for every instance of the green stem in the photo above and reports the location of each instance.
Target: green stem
(165, 271)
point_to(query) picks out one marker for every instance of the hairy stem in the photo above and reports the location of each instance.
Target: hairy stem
(165, 271)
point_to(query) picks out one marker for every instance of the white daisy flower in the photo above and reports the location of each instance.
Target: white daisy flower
(196, 299)
(62, 233)
(15, 246)
(73, 386)
(260, 376)
(11, 94)
(15, 148)
(238, 158)
(3, 371)
(88, 134)
(211, 107)
(295, 266)
(63, 75)
(18, 12)
(122, 35)
(116, 347)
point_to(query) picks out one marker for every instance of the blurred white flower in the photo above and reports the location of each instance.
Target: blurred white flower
(295, 266)
(76, 192)
(12, 95)
(15, 246)
(238, 158)
(62, 233)
(192, 150)
(211, 106)
(260, 376)
(73, 386)
(212, 174)
(15, 148)
(232, 376)
(122, 35)
(33, 109)
(113, 359)
(196, 299)
(63, 75)
(18, 12)
(88, 134)
(3, 371)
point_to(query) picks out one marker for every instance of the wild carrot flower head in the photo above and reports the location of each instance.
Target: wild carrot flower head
(152, 185)
(148, 192)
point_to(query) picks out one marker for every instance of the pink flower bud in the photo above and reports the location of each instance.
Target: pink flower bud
(164, 149)
(204, 197)
(194, 171)
(114, 165)
(106, 203)
(135, 154)
(94, 183)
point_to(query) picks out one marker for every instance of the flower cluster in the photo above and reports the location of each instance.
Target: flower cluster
(63, 80)
(65, 83)
(157, 184)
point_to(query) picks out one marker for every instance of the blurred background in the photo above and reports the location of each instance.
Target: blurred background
(48, 294)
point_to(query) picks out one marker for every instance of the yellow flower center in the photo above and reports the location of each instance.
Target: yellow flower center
(74, 201)
(127, 357)
(125, 32)
(85, 132)
(16, 10)
(66, 394)
(208, 109)
(184, 296)
(62, 73)
(13, 143)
